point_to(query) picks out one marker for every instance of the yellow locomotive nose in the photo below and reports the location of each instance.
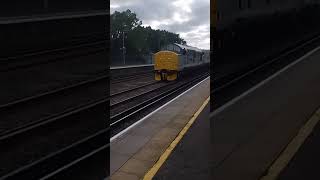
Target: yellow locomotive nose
(166, 65)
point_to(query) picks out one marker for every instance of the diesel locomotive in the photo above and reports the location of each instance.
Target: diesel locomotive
(174, 59)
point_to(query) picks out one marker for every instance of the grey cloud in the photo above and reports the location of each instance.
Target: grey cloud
(163, 10)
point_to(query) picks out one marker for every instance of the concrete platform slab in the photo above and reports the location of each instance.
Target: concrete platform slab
(137, 167)
(151, 151)
(130, 144)
(121, 176)
(118, 160)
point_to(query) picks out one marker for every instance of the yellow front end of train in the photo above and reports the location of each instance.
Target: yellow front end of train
(166, 66)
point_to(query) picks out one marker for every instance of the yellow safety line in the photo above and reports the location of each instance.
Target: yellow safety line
(282, 161)
(150, 174)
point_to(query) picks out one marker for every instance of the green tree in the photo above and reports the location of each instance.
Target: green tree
(123, 21)
(139, 40)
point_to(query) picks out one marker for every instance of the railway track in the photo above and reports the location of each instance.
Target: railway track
(19, 122)
(119, 104)
(73, 42)
(119, 75)
(132, 76)
(62, 158)
(52, 55)
(24, 135)
(32, 80)
(146, 102)
(24, 113)
(58, 160)
(96, 85)
(68, 141)
(124, 92)
(229, 86)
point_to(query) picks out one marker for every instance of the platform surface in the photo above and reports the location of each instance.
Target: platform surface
(305, 162)
(191, 157)
(249, 133)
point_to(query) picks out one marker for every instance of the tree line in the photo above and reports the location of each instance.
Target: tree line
(138, 40)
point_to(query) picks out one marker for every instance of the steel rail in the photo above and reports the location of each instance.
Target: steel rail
(133, 111)
(132, 89)
(62, 160)
(55, 50)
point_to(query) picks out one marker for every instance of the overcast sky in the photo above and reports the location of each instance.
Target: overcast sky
(189, 18)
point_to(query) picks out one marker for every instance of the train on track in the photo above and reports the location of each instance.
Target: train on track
(174, 59)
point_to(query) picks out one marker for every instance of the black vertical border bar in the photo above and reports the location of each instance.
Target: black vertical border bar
(213, 43)
(108, 45)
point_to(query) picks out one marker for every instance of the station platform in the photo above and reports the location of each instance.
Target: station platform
(191, 158)
(305, 162)
(136, 150)
(256, 134)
